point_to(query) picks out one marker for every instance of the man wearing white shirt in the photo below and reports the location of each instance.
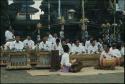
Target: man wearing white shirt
(96, 42)
(29, 43)
(61, 34)
(99, 45)
(65, 61)
(116, 53)
(9, 34)
(17, 44)
(93, 48)
(77, 48)
(59, 47)
(100, 42)
(71, 46)
(55, 36)
(45, 45)
(7, 45)
(68, 65)
(50, 38)
(87, 43)
(83, 48)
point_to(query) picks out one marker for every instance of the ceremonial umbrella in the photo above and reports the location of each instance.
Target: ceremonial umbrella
(24, 2)
(22, 8)
(15, 6)
(28, 10)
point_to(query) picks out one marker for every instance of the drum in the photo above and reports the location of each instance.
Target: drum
(43, 59)
(18, 60)
(108, 63)
(119, 61)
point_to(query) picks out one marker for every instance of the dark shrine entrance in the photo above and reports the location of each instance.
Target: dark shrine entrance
(72, 31)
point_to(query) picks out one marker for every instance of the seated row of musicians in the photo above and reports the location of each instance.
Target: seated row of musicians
(51, 43)
(76, 47)
(90, 47)
(19, 45)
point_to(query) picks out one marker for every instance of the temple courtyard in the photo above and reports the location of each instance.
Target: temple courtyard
(87, 75)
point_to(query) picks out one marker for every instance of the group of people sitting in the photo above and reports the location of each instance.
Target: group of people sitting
(66, 47)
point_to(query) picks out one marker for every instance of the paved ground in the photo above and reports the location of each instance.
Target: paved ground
(21, 76)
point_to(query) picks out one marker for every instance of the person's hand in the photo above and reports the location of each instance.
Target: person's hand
(73, 61)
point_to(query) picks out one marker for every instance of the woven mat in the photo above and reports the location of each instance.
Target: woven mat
(84, 71)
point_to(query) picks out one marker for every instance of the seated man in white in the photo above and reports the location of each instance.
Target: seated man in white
(29, 43)
(9, 34)
(45, 45)
(83, 48)
(55, 36)
(93, 48)
(65, 61)
(7, 45)
(68, 42)
(50, 37)
(87, 43)
(61, 33)
(58, 46)
(71, 47)
(52, 40)
(99, 45)
(105, 55)
(17, 45)
(77, 49)
(115, 52)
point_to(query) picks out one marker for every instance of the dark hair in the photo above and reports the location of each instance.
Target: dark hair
(57, 40)
(114, 45)
(66, 48)
(118, 46)
(91, 41)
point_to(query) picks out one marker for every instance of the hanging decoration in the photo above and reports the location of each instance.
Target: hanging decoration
(62, 20)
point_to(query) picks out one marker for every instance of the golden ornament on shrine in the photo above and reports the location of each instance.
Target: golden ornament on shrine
(62, 20)
(39, 25)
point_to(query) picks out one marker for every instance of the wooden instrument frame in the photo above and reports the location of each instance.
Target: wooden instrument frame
(40, 54)
(18, 65)
(87, 59)
(3, 55)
